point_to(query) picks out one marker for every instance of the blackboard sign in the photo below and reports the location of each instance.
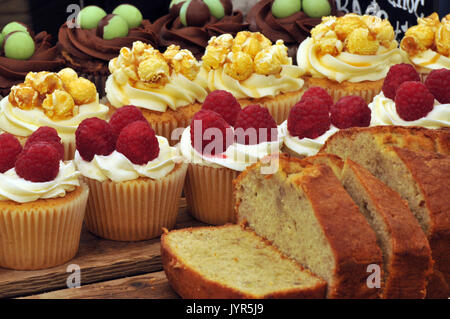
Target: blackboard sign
(401, 13)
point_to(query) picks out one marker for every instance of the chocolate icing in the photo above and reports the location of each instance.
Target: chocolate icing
(195, 38)
(86, 52)
(45, 58)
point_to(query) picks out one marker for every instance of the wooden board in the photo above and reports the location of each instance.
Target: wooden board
(99, 260)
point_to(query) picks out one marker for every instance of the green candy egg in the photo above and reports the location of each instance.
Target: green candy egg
(216, 8)
(1, 39)
(90, 16)
(18, 45)
(13, 26)
(174, 2)
(114, 26)
(316, 8)
(285, 8)
(130, 13)
(182, 13)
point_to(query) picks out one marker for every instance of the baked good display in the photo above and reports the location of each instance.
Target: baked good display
(190, 24)
(93, 38)
(42, 202)
(228, 262)
(23, 52)
(290, 21)
(165, 86)
(254, 70)
(306, 213)
(221, 141)
(135, 176)
(349, 55)
(427, 44)
(59, 100)
(412, 163)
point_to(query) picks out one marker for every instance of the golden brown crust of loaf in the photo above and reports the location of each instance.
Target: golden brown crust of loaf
(411, 262)
(190, 284)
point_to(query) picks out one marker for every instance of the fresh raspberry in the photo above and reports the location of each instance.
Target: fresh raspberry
(309, 118)
(320, 93)
(204, 135)
(94, 137)
(224, 104)
(138, 142)
(438, 83)
(396, 75)
(46, 134)
(39, 163)
(123, 116)
(10, 149)
(350, 111)
(413, 101)
(256, 117)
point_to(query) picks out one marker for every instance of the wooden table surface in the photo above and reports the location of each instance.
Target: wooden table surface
(108, 269)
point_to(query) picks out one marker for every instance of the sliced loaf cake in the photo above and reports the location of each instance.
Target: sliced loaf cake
(305, 212)
(224, 262)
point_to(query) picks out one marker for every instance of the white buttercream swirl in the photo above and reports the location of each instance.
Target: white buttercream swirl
(236, 157)
(305, 146)
(118, 168)
(384, 112)
(429, 60)
(24, 122)
(257, 85)
(178, 92)
(15, 188)
(346, 66)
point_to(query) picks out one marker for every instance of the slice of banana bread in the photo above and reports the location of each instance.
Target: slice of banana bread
(229, 261)
(304, 211)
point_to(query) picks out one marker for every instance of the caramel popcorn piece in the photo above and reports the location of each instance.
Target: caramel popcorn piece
(44, 82)
(432, 21)
(67, 75)
(270, 60)
(346, 24)
(59, 105)
(417, 38)
(217, 50)
(154, 70)
(250, 43)
(381, 29)
(240, 65)
(442, 39)
(24, 97)
(82, 91)
(361, 42)
(182, 61)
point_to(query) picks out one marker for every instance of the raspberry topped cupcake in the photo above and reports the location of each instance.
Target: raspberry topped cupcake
(427, 44)
(406, 101)
(221, 142)
(135, 176)
(164, 86)
(349, 55)
(59, 100)
(43, 190)
(315, 118)
(23, 52)
(254, 70)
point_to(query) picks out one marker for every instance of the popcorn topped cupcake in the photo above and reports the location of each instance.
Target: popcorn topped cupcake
(428, 43)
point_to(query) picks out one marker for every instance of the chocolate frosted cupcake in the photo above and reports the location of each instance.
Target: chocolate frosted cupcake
(287, 20)
(22, 51)
(99, 38)
(190, 24)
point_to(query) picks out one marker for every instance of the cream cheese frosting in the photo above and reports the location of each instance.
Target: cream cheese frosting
(118, 168)
(17, 189)
(305, 146)
(346, 66)
(21, 122)
(384, 112)
(429, 60)
(236, 157)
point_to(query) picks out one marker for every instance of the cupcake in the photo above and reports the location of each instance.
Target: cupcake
(349, 55)
(190, 24)
(254, 70)
(135, 176)
(59, 100)
(427, 44)
(90, 41)
(42, 203)
(22, 52)
(315, 118)
(290, 21)
(164, 86)
(220, 143)
(406, 101)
